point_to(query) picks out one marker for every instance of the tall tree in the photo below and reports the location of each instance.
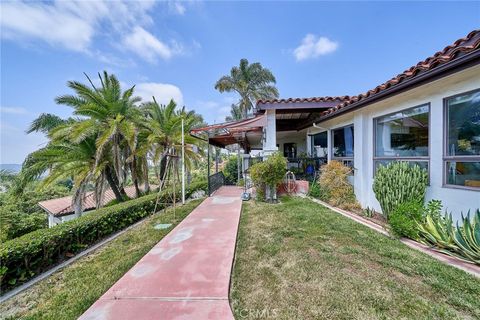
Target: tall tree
(251, 81)
(235, 113)
(109, 115)
(163, 127)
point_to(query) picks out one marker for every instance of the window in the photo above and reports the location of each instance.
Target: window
(462, 140)
(290, 150)
(319, 144)
(403, 136)
(342, 146)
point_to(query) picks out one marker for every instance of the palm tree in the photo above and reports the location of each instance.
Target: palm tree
(63, 159)
(235, 113)
(109, 115)
(163, 128)
(251, 81)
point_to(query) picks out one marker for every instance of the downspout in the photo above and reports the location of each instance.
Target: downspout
(318, 127)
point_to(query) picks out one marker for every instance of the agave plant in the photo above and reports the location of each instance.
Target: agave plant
(467, 238)
(437, 231)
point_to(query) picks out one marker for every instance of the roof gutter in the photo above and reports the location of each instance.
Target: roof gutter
(463, 62)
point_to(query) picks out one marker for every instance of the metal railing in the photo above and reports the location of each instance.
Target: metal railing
(215, 181)
(306, 167)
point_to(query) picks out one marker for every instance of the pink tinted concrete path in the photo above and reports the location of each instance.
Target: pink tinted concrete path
(184, 276)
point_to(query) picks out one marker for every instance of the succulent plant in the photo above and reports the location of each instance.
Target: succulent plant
(397, 183)
(467, 238)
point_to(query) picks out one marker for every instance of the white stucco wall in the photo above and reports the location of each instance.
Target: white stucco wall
(454, 200)
(298, 137)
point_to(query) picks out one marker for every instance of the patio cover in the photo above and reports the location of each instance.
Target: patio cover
(246, 132)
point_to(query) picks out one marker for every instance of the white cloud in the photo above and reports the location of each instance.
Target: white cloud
(176, 7)
(313, 46)
(73, 25)
(147, 46)
(14, 110)
(49, 23)
(215, 111)
(163, 92)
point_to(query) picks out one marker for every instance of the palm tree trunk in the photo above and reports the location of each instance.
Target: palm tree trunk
(133, 170)
(111, 181)
(163, 165)
(145, 172)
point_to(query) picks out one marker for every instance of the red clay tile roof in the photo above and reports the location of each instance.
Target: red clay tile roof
(459, 48)
(63, 206)
(300, 100)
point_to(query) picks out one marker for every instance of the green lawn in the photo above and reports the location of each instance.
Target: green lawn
(300, 260)
(69, 292)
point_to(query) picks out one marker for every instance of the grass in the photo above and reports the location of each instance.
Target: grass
(69, 292)
(300, 260)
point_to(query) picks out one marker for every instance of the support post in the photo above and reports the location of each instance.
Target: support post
(183, 163)
(239, 175)
(208, 166)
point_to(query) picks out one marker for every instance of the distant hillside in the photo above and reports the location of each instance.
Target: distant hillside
(14, 167)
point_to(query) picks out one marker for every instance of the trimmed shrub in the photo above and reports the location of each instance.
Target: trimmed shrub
(267, 175)
(404, 219)
(397, 183)
(24, 257)
(334, 186)
(231, 170)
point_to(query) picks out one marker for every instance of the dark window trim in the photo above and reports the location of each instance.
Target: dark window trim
(331, 142)
(419, 158)
(461, 158)
(310, 137)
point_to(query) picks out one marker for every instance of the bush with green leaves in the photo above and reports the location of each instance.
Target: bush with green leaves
(335, 189)
(231, 170)
(397, 183)
(267, 175)
(24, 257)
(314, 190)
(20, 212)
(14, 224)
(404, 218)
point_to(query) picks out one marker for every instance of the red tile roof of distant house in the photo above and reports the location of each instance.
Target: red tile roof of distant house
(64, 206)
(462, 51)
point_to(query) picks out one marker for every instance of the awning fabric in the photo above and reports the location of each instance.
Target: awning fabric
(227, 133)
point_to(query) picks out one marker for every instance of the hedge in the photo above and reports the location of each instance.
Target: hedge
(24, 257)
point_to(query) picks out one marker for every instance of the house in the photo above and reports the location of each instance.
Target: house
(61, 209)
(427, 115)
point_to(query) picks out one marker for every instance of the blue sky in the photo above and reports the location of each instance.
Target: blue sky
(180, 48)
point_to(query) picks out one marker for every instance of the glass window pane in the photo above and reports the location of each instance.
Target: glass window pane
(290, 150)
(421, 164)
(463, 173)
(343, 142)
(319, 144)
(403, 134)
(463, 125)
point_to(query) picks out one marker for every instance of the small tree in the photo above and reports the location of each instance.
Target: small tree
(267, 175)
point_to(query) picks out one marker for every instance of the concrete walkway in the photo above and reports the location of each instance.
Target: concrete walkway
(187, 274)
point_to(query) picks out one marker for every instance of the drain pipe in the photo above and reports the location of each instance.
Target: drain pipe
(318, 127)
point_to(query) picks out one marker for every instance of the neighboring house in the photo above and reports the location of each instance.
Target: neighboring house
(428, 115)
(61, 209)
